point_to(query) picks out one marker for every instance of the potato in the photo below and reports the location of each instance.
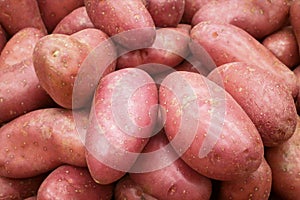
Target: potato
(122, 117)
(297, 100)
(40, 141)
(3, 38)
(190, 8)
(227, 43)
(166, 13)
(259, 18)
(128, 21)
(295, 19)
(127, 189)
(54, 11)
(208, 128)
(257, 186)
(69, 182)
(283, 45)
(285, 164)
(267, 102)
(15, 16)
(76, 21)
(176, 181)
(19, 188)
(164, 51)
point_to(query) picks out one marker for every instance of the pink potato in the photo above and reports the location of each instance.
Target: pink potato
(208, 128)
(297, 73)
(295, 19)
(19, 189)
(283, 45)
(285, 164)
(176, 181)
(267, 102)
(52, 11)
(3, 38)
(128, 21)
(227, 43)
(190, 8)
(122, 118)
(16, 15)
(258, 18)
(166, 13)
(76, 21)
(127, 189)
(257, 186)
(39, 141)
(70, 182)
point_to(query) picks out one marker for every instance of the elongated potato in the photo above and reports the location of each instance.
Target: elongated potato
(129, 21)
(283, 45)
(208, 128)
(257, 186)
(285, 164)
(16, 15)
(259, 18)
(40, 141)
(69, 182)
(295, 19)
(227, 43)
(121, 120)
(253, 88)
(176, 181)
(54, 11)
(76, 21)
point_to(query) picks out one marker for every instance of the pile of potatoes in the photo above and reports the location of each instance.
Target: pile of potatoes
(150, 99)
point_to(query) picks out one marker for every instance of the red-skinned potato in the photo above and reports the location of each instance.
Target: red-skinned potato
(19, 189)
(15, 16)
(212, 133)
(253, 88)
(259, 18)
(285, 164)
(69, 182)
(76, 21)
(283, 44)
(166, 13)
(297, 73)
(227, 43)
(176, 181)
(129, 20)
(128, 189)
(54, 11)
(295, 19)
(111, 135)
(40, 141)
(190, 8)
(257, 186)
(3, 38)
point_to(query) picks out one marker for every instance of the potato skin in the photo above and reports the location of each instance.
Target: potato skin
(3, 38)
(258, 18)
(227, 43)
(115, 17)
(267, 102)
(176, 181)
(283, 44)
(70, 182)
(295, 19)
(285, 164)
(15, 16)
(107, 130)
(190, 8)
(257, 186)
(40, 141)
(76, 21)
(237, 149)
(166, 13)
(53, 12)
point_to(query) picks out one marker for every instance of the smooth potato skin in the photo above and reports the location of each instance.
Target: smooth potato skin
(267, 102)
(227, 43)
(236, 152)
(15, 16)
(76, 21)
(283, 44)
(69, 182)
(295, 19)
(285, 164)
(105, 126)
(53, 12)
(257, 186)
(40, 141)
(114, 17)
